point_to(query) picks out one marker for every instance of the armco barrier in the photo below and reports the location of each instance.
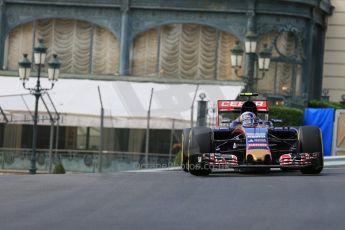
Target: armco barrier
(329, 161)
(19, 160)
(335, 161)
(80, 161)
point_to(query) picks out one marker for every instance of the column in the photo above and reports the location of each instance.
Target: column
(307, 79)
(2, 32)
(124, 40)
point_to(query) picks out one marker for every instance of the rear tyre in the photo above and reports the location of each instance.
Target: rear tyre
(185, 144)
(200, 142)
(310, 141)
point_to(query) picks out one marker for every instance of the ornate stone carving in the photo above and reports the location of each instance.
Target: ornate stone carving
(267, 24)
(194, 4)
(235, 25)
(107, 18)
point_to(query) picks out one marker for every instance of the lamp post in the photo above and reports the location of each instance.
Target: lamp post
(40, 52)
(263, 58)
(202, 111)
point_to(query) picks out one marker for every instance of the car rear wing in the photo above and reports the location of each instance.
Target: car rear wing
(236, 106)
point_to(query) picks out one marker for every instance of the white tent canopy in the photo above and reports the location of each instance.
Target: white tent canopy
(125, 103)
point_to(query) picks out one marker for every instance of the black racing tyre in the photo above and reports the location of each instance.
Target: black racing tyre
(185, 144)
(288, 169)
(310, 141)
(198, 169)
(200, 142)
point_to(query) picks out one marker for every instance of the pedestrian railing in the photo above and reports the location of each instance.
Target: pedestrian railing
(81, 161)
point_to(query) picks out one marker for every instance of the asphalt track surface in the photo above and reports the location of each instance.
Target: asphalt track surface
(173, 200)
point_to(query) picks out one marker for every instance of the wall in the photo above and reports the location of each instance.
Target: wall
(334, 60)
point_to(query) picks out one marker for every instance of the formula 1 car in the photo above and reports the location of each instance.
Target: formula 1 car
(245, 138)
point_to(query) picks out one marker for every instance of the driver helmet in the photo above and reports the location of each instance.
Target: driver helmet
(248, 119)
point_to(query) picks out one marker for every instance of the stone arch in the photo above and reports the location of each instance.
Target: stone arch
(13, 20)
(186, 51)
(235, 27)
(285, 44)
(83, 47)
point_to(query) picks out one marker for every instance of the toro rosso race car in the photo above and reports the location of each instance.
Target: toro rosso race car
(245, 138)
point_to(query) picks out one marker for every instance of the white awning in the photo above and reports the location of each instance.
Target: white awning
(125, 103)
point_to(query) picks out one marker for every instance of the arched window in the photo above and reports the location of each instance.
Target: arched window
(185, 51)
(83, 48)
(285, 74)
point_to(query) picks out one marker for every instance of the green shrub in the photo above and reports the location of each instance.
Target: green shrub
(59, 169)
(177, 159)
(324, 104)
(290, 116)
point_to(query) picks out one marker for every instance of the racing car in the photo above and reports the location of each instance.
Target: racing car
(245, 139)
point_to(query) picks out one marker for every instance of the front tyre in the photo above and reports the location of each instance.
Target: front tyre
(310, 141)
(196, 168)
(200, 142)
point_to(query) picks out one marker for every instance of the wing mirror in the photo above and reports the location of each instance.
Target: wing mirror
(225, 120)
(277, 120)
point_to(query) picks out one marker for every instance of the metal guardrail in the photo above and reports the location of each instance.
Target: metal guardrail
(334, 161)
(88, 161)
(81, 161)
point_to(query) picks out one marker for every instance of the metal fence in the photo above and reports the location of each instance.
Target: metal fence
(81, 161)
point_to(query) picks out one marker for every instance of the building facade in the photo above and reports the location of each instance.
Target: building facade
(175, 40)
(178, 41)
(334, 63)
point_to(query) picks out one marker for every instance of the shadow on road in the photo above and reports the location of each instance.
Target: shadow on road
(297, 173)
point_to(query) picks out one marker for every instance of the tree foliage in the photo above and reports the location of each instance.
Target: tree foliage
(325, 104)
(290, 116)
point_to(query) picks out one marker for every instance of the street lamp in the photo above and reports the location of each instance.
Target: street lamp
(263, 58)
(202, 110)
(40, 52)
(250, 42)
